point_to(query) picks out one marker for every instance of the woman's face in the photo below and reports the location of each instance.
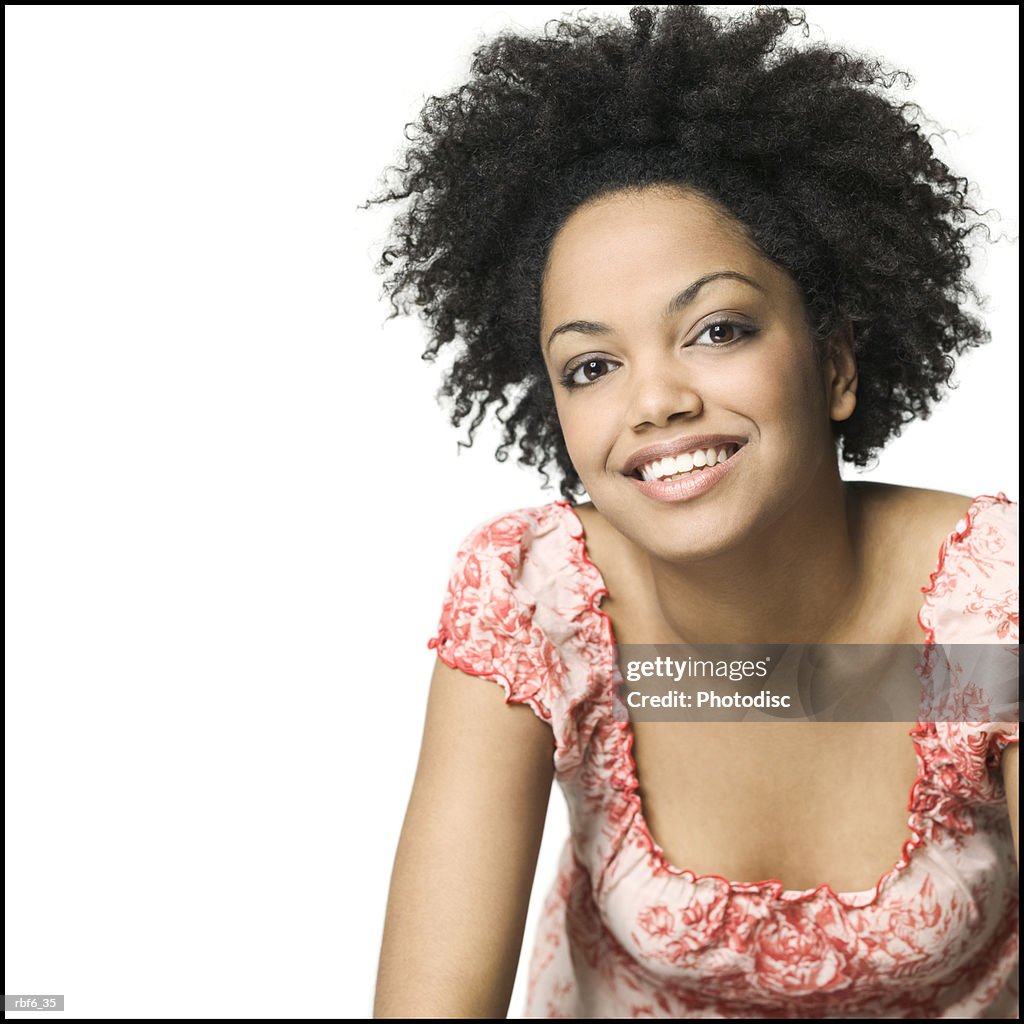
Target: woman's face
(661, 325)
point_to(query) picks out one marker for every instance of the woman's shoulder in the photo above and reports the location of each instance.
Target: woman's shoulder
(970, 544)
(948, 555)
(533, 558)
(932, 520)
(522, 593)
(509, 540)
(919, 505)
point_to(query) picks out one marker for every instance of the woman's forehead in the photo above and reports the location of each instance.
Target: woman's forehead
(637, 246)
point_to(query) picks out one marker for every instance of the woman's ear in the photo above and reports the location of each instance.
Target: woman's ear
(841, 373)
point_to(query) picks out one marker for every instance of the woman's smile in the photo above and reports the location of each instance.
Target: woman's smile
(689, 475)
(669, 458)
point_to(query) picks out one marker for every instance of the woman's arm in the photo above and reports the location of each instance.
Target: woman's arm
(466, 858)
(1010, 762)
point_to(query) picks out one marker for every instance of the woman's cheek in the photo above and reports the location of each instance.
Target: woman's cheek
(583, 425)
(764, 383)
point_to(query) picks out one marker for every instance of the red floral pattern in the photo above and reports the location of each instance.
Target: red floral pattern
(624, 933)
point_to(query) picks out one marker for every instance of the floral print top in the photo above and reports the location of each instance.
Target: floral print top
(624, 933)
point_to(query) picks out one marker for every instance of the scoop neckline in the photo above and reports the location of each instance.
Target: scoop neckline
(772, 887)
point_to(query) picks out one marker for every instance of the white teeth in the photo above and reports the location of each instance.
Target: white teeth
(687, 462)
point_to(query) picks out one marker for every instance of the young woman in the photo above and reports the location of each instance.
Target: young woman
(692, 268)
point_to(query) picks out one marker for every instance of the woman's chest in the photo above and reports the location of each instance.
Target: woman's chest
(804, 803)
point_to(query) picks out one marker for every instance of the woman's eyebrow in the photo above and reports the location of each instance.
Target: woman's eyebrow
(688, 294)
(675, 304)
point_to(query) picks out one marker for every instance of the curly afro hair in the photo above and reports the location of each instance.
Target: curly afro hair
(830, 178)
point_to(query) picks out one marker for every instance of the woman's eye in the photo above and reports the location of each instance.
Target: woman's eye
(724, 333)
(587, 372)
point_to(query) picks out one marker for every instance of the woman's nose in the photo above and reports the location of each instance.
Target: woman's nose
(661, 389)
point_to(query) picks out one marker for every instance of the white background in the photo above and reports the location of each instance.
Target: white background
(232, 501)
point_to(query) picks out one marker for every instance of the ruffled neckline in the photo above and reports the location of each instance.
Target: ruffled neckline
(921, 735)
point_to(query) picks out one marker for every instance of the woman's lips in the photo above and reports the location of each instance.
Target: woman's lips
(688, 444)
(692, 485)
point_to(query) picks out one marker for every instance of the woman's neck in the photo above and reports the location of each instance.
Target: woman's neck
(797, 581)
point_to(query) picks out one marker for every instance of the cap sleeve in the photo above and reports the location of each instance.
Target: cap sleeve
(973, 598)
(487, 625)
(521, 609)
